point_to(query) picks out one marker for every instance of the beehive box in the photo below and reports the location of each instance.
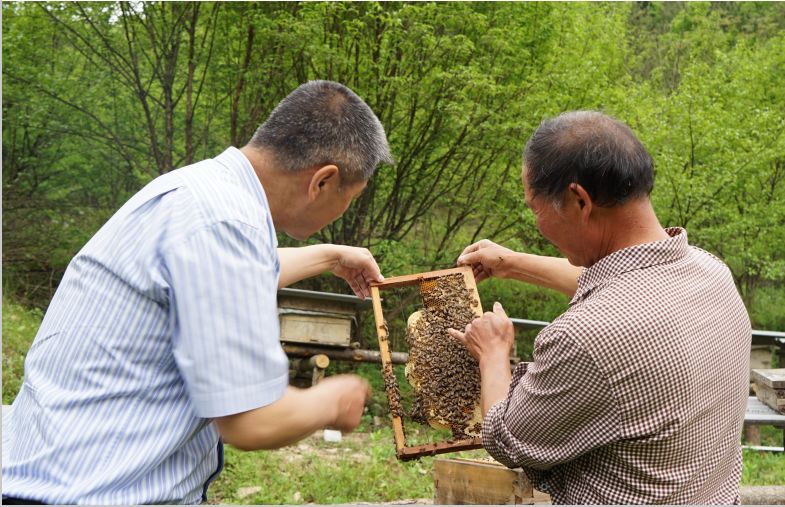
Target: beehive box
(460, 481)
(441, 377)
(316, 318)
(770, 387)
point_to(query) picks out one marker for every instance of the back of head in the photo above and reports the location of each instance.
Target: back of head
(321, 123)
(592, 149)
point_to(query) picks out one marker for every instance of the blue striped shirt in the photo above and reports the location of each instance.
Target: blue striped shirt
(165, 319)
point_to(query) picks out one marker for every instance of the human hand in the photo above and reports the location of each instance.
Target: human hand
(487, 259)
(358, 267)
(347, 395)
(488, 338)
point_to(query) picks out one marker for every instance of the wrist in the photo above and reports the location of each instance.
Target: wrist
(329, 256)
(515, 262)
(325, 404)
(493, 360)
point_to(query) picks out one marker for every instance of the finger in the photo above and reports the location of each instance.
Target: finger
(469, 258)
(457, 335)
(371, 269)
(480, 273)
(499, 310)
(356, 289)
(363, 286)
(471, 248)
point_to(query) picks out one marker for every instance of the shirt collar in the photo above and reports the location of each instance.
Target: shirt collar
(632, 258)
(234, 160)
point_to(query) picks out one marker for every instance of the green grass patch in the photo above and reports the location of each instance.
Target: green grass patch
(362, 468)
(763, 468)
(19, 328)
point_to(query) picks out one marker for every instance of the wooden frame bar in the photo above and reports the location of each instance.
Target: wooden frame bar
(402, 451)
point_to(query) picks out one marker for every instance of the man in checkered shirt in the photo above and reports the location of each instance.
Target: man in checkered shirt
(636, 394)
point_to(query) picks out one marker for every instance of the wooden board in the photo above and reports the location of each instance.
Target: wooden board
(402, 451)
(384, 350)
(477, 482)
(774, 378)
(774, 398)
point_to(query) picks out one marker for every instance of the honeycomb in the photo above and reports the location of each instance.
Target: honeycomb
(445, 377)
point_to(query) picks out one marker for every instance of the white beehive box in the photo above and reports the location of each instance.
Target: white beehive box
(317, 318)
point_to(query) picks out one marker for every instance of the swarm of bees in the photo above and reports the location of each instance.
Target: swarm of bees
(393, 393)
(445, 377)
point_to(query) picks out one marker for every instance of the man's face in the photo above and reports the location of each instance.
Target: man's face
(556, 225)
(331, 203)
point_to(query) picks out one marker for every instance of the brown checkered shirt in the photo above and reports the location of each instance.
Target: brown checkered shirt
(637, 393)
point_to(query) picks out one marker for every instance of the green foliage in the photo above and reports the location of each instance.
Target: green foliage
(99, 98)
(19, 328)
(767, 309)
(138, 89)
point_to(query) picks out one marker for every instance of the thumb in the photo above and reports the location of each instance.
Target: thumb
(499, 310)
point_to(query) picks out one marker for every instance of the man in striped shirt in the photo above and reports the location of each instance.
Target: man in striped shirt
(636, 394)
(162, 338)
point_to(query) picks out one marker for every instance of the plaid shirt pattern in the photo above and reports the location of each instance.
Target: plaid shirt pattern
(637, 393)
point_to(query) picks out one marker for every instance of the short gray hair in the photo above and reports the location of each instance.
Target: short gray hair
(321, 123)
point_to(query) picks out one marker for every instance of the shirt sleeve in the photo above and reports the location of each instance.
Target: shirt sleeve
(223, 294)
(559, 407)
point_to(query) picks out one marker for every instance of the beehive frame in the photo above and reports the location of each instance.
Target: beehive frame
(402, 451)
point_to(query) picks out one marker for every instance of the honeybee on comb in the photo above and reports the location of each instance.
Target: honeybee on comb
(445, 377)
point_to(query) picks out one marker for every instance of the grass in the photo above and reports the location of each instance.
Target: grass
(362, 468)
(763, 468)
(19, 327)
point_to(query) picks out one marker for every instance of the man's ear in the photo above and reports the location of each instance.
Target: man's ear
(582, 200)
(322, 178)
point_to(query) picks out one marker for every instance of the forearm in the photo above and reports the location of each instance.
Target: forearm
(296, 415)
(304, 262)
(495, 380)
(551, 272)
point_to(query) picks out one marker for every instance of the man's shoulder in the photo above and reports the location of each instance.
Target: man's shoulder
(706, 257)
(220, 194)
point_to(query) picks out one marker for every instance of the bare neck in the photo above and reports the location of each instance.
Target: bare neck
(631, 224)
(276, 185)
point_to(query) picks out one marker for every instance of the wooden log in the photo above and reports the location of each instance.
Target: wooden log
(358, 355)
(317, 360)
